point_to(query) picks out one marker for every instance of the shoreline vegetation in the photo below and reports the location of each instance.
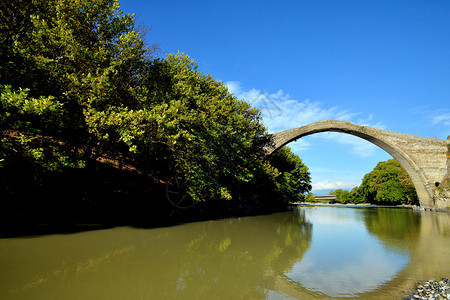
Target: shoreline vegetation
(387, 184)
(411, 206)
(94, 122)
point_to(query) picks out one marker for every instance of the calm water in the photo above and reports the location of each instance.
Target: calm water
(312, 252)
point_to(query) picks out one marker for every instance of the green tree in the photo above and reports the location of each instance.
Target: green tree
(68, 69)
(202, 132)
(342, 196)
(214, 141)
(356, 195)
(78, 84)
(310, 198)
(388, 183)
(293, 180)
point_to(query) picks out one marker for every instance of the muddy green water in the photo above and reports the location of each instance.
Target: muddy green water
(311, 252)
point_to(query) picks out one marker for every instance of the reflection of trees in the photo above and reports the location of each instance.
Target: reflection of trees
(397, 229)
(228, 259)
(234, 258)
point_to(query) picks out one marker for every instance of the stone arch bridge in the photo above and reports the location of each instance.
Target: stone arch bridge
(426, 160)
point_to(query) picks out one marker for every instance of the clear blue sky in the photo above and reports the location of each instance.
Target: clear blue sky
(377, 63)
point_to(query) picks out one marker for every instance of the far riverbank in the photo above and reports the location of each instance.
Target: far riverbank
(355, 205)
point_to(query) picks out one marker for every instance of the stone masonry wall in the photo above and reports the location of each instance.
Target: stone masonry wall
(425, 159)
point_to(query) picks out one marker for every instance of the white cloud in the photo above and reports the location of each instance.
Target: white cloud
(442, 119)
(360, 147)
(280, 112)
(299, 145)
(333, 218)
(333, 185)
(439, 118)
(367, 271)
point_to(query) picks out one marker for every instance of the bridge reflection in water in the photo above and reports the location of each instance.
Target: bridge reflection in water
(424, 236)
(237, 258)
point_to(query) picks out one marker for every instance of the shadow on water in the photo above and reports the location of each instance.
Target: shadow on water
(397, 229)
(225, 259)
(76, 200)
(201, 213)
(303, 254)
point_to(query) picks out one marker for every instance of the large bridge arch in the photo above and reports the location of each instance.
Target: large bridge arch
(424, 159)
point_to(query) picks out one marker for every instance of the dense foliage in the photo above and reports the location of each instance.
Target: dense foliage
(214, 140)
(79, 85)
(68, 69)
(310, 198)
(292, 176)
(388, 183)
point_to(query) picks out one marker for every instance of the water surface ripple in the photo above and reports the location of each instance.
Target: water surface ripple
(307, 253)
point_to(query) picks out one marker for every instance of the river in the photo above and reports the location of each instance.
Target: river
(307, 253)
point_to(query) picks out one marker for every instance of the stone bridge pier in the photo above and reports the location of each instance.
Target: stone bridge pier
(426, 160)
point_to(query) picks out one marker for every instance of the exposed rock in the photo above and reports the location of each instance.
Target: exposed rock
(432, 289)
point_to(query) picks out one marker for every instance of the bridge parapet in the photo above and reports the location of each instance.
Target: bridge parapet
(426, 160)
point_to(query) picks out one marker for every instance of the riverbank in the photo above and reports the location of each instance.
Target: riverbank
(103, 196)
(355, 205)
(432, 289)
